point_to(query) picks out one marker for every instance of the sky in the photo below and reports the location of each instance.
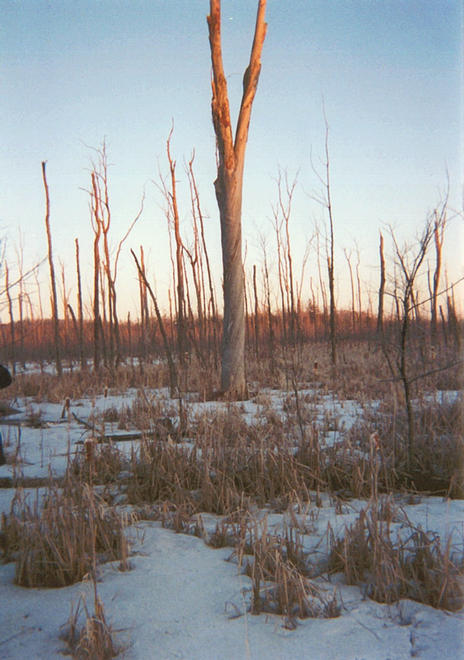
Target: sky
(387, 73)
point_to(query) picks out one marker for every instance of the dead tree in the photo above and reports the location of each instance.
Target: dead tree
(439, 225)
(381, 287)
(105, 267)
(256, 314)
(267, 296)
(196, 258)
(350, 269)
(358, 283)
(54, 298)
(144, 313)
(173, 217)
(282, 212)
(173, 378)
(228, 187)
(212, 307)
(96, 225)
(408, 264)
(12, 321)
(80, 309)
(325, 200)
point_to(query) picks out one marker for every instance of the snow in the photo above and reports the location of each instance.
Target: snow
(183, 599)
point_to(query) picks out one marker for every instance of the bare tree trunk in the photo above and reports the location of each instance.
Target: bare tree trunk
(76, 328)
(171, 366)
(129, 339)
(321, 279)
(212, 299)
(195, 259)
(353, 313)
(144, 316)
(54, 299)
(325, 200)
(267, 295)
(282, 212)
(228, 186)
(438, 236)
(453, 324)
(256, 330)
(80, 310)
(96, 274)
(409, 269)
(280, 270)
(20, 253)
(331, 272)
(172, 200)
(65, 328)
(381, 287)
(358, 282)
(12, 322)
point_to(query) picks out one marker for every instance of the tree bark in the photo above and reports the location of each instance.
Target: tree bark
(228, 187)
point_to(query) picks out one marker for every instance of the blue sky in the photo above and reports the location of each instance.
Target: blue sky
(388, 72)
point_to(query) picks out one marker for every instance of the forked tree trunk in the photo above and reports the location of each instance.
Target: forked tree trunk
(228, 186)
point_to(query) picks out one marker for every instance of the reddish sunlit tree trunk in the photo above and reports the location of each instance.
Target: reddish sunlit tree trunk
(54, 298)
(228, 186)
(381, 286)
(80, 309)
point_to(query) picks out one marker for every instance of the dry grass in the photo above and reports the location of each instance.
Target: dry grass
(227, 461)
(412, 565)
(278, 572)
(216, 462)
(86, 383)
(94, 640)
(438, 458)
(59, 540)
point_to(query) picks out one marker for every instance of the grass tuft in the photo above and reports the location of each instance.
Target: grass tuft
(411, 565)
(57, 541)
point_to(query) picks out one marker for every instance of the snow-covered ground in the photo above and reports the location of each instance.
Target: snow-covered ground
(183, 599)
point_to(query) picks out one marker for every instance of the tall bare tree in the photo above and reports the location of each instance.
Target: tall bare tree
(408, 262)
(324, 198)
(381, 286)
(228, 186)
(54, 298)
(96, 226)
(80, 307)
(439, 226)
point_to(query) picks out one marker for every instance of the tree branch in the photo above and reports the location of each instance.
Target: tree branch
(250, 80)
(220, 101)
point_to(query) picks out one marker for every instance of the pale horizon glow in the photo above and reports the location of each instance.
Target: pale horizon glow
(389, 75)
